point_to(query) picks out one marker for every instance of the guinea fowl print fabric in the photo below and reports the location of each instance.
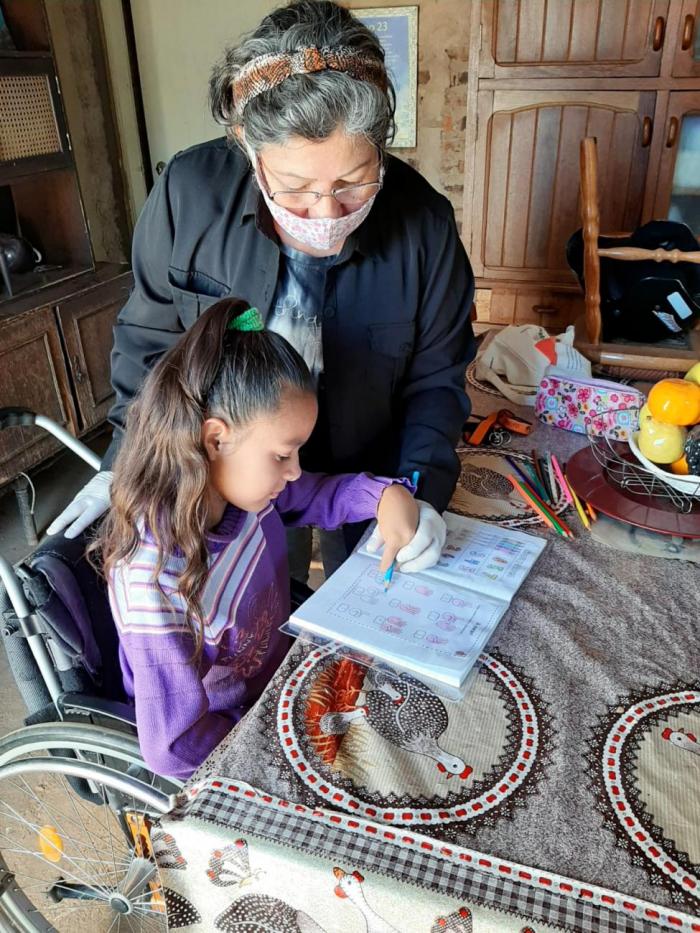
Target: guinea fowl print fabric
(269, 889)
(562, 792)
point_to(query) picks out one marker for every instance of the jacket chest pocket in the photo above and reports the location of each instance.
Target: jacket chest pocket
(391, 347)
(190, 304)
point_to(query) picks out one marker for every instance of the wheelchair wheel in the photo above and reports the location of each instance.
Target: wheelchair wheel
(76, 807)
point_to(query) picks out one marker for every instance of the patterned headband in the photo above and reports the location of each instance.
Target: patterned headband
(267, 71)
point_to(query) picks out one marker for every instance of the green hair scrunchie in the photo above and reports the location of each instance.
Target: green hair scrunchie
(247, 321)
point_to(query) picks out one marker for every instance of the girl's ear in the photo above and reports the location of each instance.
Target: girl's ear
(214, 432)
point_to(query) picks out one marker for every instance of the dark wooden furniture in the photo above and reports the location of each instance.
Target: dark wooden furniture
(542, 76)
(39, 193)
(54, 359)
(56, 326)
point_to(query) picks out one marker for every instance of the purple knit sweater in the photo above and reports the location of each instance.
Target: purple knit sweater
(184, 710)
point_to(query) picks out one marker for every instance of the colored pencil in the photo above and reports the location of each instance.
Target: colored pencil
(552, 478)
(544, 470)
(562, 482)
(557, 518)
(579, 508)
(591, 511)
(527, 478)
(530, 500)
(540, 475)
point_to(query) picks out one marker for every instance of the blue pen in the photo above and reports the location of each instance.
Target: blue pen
(415, 478)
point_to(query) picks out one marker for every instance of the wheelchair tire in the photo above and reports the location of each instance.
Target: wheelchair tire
(72, 863)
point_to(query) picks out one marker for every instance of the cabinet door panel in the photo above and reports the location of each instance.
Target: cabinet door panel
(32, 375)
(678, 187)
(87, 322)
(535, 38)
(686, 61)
(526, 192)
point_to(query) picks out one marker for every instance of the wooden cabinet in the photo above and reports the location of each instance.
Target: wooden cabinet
(571, 37)
(33, 374)
(54, 360)
(677, 182)
(86, 324)
(686, 59)
(527, 153)
(542, 76)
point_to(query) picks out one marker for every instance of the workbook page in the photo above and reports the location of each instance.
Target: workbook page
(483, 557)
(419, 623)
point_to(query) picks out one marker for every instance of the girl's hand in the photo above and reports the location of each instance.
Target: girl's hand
(397, 518)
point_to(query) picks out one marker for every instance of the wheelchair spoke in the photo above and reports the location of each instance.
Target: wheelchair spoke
(35, 828)
(74, 818)
(43, 859)
(54, 815)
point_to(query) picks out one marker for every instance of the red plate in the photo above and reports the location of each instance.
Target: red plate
(590, 481)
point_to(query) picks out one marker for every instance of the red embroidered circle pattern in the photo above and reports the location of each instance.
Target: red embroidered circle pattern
(470, 808)
(621, 730)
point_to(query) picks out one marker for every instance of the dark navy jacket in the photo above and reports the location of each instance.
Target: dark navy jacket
(396, 328)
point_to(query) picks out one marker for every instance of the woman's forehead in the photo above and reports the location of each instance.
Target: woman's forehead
(335, 157)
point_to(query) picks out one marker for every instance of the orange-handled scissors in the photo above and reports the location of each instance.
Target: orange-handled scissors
(504, 418)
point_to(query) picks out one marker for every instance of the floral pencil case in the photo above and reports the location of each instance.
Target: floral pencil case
(588, 406)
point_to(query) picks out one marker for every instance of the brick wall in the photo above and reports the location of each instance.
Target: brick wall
(443, 49)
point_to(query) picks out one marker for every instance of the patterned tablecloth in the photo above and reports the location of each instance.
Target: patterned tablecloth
(576, 803)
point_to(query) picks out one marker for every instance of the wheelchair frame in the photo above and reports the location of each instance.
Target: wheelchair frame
(104, 761)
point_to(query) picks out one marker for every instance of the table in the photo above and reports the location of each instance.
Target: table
(581, 727)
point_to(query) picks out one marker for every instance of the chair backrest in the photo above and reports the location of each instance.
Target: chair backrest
(71, 599)
(590, 218)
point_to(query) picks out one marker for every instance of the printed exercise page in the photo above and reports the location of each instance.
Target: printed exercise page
(484, 557)
(420, 623)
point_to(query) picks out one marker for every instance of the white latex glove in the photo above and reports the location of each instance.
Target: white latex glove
(91, 502)
(424, 549)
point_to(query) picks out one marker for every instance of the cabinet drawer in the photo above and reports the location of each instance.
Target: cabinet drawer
(550, 308)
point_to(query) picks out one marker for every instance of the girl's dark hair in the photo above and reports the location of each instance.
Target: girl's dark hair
(311, 106)
(161, 472)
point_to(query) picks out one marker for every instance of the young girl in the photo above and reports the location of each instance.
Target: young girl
(194, 545)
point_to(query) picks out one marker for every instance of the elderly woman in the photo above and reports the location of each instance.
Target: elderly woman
(346, 251)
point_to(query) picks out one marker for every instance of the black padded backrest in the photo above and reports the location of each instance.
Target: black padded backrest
(71, 598)
(616, 277)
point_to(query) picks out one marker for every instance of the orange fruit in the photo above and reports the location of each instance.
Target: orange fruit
(675, 401)
(680, 467)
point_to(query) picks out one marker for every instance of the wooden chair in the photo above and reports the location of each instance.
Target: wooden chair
(626, 357)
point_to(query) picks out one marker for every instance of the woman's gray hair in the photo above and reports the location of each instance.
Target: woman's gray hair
(311, 106)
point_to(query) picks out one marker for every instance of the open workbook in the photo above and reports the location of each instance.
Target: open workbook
(434, 623)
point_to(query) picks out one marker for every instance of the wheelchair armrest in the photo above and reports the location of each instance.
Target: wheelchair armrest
(89, 705)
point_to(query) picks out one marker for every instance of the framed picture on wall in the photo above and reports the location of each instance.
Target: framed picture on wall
(396, 27)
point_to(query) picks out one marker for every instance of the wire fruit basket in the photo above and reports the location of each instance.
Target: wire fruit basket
(617, 451)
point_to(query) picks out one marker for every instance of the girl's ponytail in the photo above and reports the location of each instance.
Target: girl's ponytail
(162, 470)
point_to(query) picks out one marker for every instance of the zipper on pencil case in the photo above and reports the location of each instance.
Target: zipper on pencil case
(591, 383)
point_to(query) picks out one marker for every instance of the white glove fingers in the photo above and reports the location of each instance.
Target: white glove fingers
(425, 560)
(65, 518)
(418, 543)
(375, 541)
(89, 504)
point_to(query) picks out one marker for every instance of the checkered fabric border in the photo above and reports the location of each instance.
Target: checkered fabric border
(385, 850)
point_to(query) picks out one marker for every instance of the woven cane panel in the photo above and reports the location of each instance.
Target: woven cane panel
(27, 122)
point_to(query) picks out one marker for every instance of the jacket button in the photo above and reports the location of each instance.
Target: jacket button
(329, 312)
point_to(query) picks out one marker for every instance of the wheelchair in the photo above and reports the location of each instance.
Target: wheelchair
(78, 806)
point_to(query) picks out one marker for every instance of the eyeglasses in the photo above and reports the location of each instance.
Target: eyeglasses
(352, 196)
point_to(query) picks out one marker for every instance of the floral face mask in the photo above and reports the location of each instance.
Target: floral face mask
(320, 233)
